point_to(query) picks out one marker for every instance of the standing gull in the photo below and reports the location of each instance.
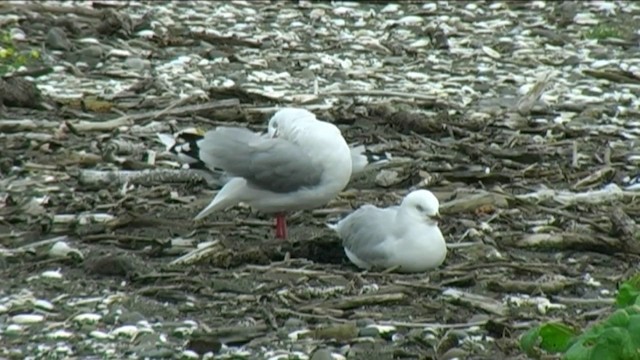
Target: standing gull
(184, 146)
(301, 164)
(405, 237)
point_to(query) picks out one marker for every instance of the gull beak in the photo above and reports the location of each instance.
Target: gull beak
(435, 217)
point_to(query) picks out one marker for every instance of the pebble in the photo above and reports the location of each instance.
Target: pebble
(361, 323)
(453, 353)
(91, 52)
(130, 318)
(27, 318)
(294, 323)
(321, 354)
(57, 39)
(135, 63)
(369, 332)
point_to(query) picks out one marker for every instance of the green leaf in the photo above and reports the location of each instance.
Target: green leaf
(612, 344)
(551, 337)
(581, 349)
(529, 340)
(628, 294)
(556, 337)
(620, 318)
(634, 332)
(634, 281)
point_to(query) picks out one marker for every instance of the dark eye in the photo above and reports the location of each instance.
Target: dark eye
(420, 208)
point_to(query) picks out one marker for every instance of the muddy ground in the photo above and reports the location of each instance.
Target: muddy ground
(99, 250)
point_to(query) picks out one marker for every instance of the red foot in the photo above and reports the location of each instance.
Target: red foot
(281, 226)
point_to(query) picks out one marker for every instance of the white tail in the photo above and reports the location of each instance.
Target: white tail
(230, 195)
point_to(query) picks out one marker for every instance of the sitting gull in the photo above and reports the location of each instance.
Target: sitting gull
(302, 163)
(404, 237)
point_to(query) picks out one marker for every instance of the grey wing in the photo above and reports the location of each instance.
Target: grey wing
(269, 163)
(365, 230)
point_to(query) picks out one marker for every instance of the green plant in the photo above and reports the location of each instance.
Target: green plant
(615, 338)
(11, 58)
(603, 31)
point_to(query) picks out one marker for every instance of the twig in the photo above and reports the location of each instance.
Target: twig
(309, 316)
(582, 301)
(267, 110)
(552, 286)
(436, 325)
(26, 125)
(470, 203)
(40, 71)
(224, 40)
(596, 177)
(477, 301)
(609, 193)
(525, 104)
(362, 300)
(129, 120)
(41, 243)
(576, 218)
(124, 147)
(381, 93)
(50, 9)
(172, 106)
(82, 219)
(41, 137)
(143, 177)
(199, 253)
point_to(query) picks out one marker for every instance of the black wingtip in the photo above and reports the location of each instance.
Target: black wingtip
(374, 157)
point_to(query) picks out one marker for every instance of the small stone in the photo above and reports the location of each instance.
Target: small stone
(57, 39)
(18, 35)
(27, 318)
(62, 250)
(361, 323)
(157, 354)
(294, 323)
(135, 63)
(340, 332)
(369, 332)
(453, 353)
(321, 354)
(204, 343)
(91, 52)
(130, 318)
(479, 317)
(457, 333)
(115, 265)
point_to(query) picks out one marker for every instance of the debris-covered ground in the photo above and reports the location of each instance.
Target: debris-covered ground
(522, 117)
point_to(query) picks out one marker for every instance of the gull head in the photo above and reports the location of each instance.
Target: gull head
(284, 121)
(422, 205)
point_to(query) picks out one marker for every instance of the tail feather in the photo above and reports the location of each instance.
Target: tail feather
(332, 226)
(229, 195)
(363, 158)
(184, 145)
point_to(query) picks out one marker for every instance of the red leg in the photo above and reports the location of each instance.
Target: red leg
(281, 226)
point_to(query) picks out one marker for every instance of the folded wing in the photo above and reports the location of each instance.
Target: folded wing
(272, 164)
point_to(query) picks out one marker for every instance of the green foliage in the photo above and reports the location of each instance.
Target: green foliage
(603, 31)
(628, 292)
(615, 338)
(12, 58)
(551, 337)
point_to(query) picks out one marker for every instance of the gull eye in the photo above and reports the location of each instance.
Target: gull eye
(420, 208)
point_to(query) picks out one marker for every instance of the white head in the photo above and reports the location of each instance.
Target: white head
(284, 120)
(422, 205)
